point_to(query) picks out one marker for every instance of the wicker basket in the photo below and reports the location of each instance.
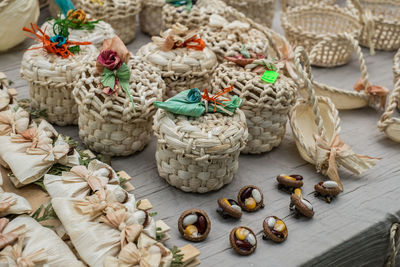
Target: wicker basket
(51, 80)
(315, 125)
(107, 124)
(386, 19)
(252, 8)
(150, 17)
(181, 68)
(265, 105)
(199, 154)
(121, 14)
(309, 25)
(293, 3)
(396, 67)
(387, 123)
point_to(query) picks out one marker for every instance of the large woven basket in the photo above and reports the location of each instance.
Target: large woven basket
(51, 80)
(265, 105)
(308, 25)
(199, 154)
(386, 19)
(388, 123)
(261, 11)
(121, 14)
(107, 124)
(293, 3)
(396, 67)
(150, 17)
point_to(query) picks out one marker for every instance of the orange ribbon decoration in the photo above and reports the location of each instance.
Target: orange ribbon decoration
(374, 90)
(214, 98)
(48, 45)
(199, 44)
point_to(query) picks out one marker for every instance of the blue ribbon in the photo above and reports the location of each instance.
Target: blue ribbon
(65, 6)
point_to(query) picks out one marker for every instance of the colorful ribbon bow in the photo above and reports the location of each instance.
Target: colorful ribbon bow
(214, 99)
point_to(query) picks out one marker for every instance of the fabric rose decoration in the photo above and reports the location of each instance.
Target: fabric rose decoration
(109, 59)
(77, 16)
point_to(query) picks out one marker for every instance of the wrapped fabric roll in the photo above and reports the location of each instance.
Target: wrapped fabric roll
(11, 203)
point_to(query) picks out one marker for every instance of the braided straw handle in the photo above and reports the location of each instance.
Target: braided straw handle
(394, 245)
(386, 119)
(300, 56)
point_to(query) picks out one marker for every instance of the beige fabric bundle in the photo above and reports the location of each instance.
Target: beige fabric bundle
(101, 32)
(199, 154)
(150, 17)
(120, 14)
(107, 123)
(7, 95)
(14, 15)
(261, 11)
(315, 125)
(293, 3)
(51, 80)
(11, 203)
(309, 25)
(387, 123)
(181, 68)
(34, 245)
(32, 153)
(385, 15)
(13, 121)
(265, 105)
(396, 67)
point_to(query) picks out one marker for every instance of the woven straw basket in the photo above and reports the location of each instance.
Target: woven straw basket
(101, 32)
(396, 67)
(261, 11)
(199, 154)
(51, 80)
(150, 17)
(309, 25)
(293, 3)
(107, 124)
(265, 105)
(386, 19)
(387, 123)
(121, 14)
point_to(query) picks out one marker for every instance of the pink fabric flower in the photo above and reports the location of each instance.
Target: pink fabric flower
(109, 59)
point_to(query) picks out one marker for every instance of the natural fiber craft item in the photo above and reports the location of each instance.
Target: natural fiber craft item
(309, 25)
(396, 67)
(289, 182)
(20, 13)
(115, 101)
(121, 14)
(250, 198)
(315, 125)
(364, 93)
(8, 96)
(11, 203)
(274, 229)
(194, 225)
(229, 208)
(327, 190)
(293, 3)
(27, 243)
(261, 11)
(265, 104)
(300, 205)
(150, 17)
(390, 123)
(182, 58)
(385, 17)
(243, 240)
(199, 152)
(13, 121)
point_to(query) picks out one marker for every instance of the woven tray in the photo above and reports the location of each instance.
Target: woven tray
(252, 9)
(121, 15)
(199, 154)
(309, 25)
(150, 17)
(265, 105)
(51, 80)
(107, 124)
(388, 123)
(386, 19)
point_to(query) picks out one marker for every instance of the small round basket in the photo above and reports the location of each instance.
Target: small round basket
(252, 9)
(293, 3)
(107, 123)
(150, 17)
(386, 19)
(121, 14)
(199, 154)
(396, 67)
(389, 124)
(265, 105)
(51, 80)
(308, 25)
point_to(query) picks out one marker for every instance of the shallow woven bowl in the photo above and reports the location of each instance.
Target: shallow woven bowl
(308, 25)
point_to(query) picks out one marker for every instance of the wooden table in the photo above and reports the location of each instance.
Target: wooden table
(351, 231)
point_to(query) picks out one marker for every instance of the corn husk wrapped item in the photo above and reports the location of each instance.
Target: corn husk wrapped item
(7, 94)
(150, 17)
(14, 121)
(316, 125)
(30, 244)
(11, 203)
(32, 153)
(388, 123)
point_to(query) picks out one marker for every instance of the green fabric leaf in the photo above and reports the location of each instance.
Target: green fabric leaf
(124, 74)
(108, 79)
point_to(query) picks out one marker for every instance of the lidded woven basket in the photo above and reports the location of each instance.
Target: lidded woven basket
(386, 19)
(51, 80)
(309, 25)
(150, 17)
(266, 105)
(261, 11)
(183, 67)
(199, 154)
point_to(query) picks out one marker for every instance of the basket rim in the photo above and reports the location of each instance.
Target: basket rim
(381, 19)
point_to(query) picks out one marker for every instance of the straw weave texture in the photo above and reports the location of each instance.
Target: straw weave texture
(389, 123)
(150, 17)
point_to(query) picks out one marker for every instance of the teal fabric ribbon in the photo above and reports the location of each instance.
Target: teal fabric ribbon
(65, 6)
(189, 103)
(187, 3)
(123, 75)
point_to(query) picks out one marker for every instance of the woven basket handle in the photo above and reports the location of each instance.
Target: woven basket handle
(394, 100)
(304, 72)
(365, 17)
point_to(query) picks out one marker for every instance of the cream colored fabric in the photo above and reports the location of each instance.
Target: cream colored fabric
(11, 203)
(38, 243)
(7, 95)
(14, 15)
(13, 122)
